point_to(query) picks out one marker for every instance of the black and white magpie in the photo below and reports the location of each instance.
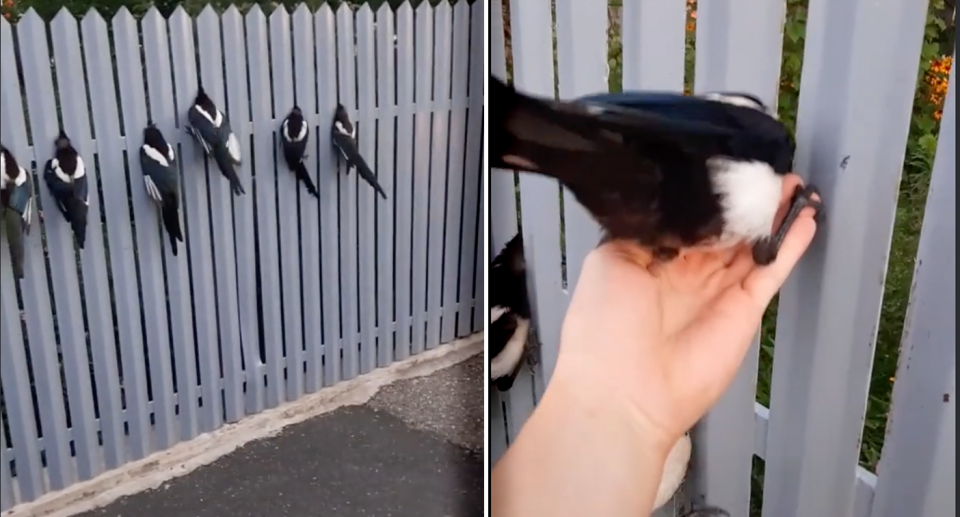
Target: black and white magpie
(509, 314)
(211, 128)
(16, 202)
(665, 170)
(161, 180)
(294, 135)
(345, 140)
(66, 176)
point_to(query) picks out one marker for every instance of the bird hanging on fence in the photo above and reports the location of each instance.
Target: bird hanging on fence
(16, 202)
(665, 170)
(509, 314)
(345, 140)
(161, 180)
(294, 135)
(66, 176)
(211, 128)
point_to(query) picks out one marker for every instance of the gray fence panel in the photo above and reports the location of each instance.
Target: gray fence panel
(540, 201)
(326, 45)
(367, 231)
(163, 105)
(440, 138)
(6, 481)
(405, 180)
(196, 173)
(349, 277)
(828, 310)
(225, 357)
(96, 291)
(473, 190)
(918, 469)
(581, 70)
(288, 217)
(423, 77)
(264, 190)
(44, 126)
(387, 323)
(306, 98)
(459, 72)
(734, 42)
(149, 249)
(244, 214)
(653, 44)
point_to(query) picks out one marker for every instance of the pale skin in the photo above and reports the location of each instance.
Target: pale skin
(644, 353)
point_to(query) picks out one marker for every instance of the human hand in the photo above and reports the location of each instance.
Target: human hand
(665, 342)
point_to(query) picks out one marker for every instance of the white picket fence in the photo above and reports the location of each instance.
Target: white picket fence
(858, 79)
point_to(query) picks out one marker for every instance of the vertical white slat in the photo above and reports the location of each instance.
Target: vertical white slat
(423, 77)
(387, 251)
(306, 99)
(265, 193)
(326, 47)
(654, 44)
(115, 177)
(14, 374)
(169, 120)
(471, 239)
(438, 171)
(347, 95)
(540, 207)
(738, 49)
(288, 217)
(222, 255)
(456, 174)
(581, 70)
(244, 226)
(918, 469)
(367, 229)
(498, 433)
(38, 82)
(859, 55)
(197, 221)
(7, 495)
(405, 179)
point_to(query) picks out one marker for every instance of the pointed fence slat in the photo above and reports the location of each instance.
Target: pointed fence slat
(288, 218)
(366, 196)
(163, 109)
(273, 293)
(244, 215)
(306, 98)
(423, 79)
(38, 83)
(328, 178)
(223, 254)
(263, 185)
(405, 182)
(386, 170)
(653, 45)
(111, 152)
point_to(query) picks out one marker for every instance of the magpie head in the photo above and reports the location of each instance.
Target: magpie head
(63, 141)
(296, 110)
(202, 97)
(341, 113)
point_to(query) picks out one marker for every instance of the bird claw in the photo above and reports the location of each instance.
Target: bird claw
(765, 251)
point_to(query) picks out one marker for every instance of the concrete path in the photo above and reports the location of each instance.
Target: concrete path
(414, 450)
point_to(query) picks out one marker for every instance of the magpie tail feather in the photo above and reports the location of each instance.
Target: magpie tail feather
(367, 174)
(303, 175)
(171, 221)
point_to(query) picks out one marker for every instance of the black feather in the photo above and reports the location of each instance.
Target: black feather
(71, 191)
(294, 149)
(640, 163)
(344, 139)
(508, 293)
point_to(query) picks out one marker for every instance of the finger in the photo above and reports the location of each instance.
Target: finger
(763, 283)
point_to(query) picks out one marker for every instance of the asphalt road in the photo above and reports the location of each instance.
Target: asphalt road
(414, 450)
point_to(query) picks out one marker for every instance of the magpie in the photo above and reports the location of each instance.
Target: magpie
(161, 180)
(16, 202)
(665, 170)
(294, 134)
(210, 127)
(509, 313)
(66, 176)
(345, 140)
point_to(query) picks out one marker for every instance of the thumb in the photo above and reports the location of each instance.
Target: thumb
(763, 282)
